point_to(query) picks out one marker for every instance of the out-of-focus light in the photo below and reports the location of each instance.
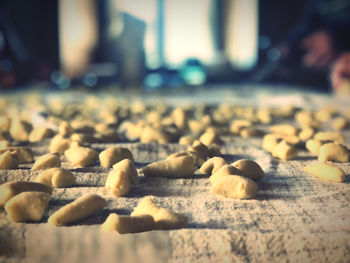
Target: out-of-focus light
(90, 79)
(273, 54)
(60, 80)
(193, 75)
(153, 80)
(264, 42)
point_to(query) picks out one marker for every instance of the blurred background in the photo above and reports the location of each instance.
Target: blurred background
(155, 44)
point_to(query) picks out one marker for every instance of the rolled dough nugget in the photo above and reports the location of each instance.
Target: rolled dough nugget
(177, 167)
(10, 189)
(127, 167)
(235, 186)
(114, 155)
(79, 209)
(56, 177)
(46, 161)
(81, 156)
(27, 206)
(212, 165)
(8, 161)
(326, 172)
(249, 168)
(224, 170)
(164, 218)
(124, 224)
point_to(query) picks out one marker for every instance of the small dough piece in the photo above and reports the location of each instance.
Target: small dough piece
(197, 159)
(330, 136)
(164, 218)
(182, 166)
(270, 141)
(65, 129)
(150, 134)
(306, 133)
(235, 186)
(224, 170)
(39, 134)
(128, 224)
(339, 123)
(78, 210)
(4, 144)
(127, 167)
(326, 172)
(209, 138)
(313, 146)
(10, 189)
(56, 177)
(114, 155)
(8, 161)
(212, 165)
(284, 129)
(333, 152)
(23, 154)
(81, 156)
(27, 206)
(250, 132)
(46, 161)
(20, 129)
(180, 119)
(186, 140)
(201, 149)
(284, 151)
(237, 125)
(59, 144)
(249, 168)
(120, 178)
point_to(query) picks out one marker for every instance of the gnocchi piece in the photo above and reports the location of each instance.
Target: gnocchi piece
(180, 119)
(56, 177)
(27, 206)
(128, 224)
(209, 138)
(65, 129)
(284, 151)
(150, 134)
(330, 136)
(326, 172)
(78, 210)
(339, 123)
(59, 144)
(20, 129)
(163, 218)
(22, 154)
(8, 161)
(201, 149)
(237, 125)
(224, 170)
(176, 167)
(249, 168)
(235, 186)
(250, 132)
(284, 129)
(46, 161)
(39, 134)
(186, 140)
(313, 146)
(81, 156)
(333, 152)
(270, 141)
(127, 167)
(114, 155)
(4, 144)
(118, 183)
(11, 189)
(198, 160)
(306, 134)
(212, 165)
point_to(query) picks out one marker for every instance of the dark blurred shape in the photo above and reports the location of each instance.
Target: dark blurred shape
(28, 42)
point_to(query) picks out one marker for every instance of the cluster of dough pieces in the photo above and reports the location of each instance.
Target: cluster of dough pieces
(201, 128)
